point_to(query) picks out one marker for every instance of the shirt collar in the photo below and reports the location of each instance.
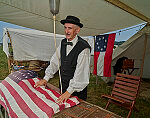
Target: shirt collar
(74, 41)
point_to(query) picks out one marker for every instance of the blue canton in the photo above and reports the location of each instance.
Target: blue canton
(101, 43)
(17, 76)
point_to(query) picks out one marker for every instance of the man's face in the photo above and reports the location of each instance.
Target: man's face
(71, 30)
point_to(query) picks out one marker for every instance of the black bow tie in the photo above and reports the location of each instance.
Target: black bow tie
(68, 43)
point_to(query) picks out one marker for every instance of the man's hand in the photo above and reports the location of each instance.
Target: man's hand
(63, 97)
(40, 83)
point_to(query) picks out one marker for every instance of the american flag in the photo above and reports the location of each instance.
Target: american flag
(22, 100)
(103, 54)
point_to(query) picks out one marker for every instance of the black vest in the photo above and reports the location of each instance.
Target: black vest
(68, 65)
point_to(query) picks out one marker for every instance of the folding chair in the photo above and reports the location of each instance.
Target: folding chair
(127, 64)
(124, 92)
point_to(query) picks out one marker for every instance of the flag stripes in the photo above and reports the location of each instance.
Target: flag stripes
(103, 54)
(22, 100)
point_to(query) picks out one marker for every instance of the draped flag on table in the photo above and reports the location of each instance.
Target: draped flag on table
(22, 100)
(103, 54)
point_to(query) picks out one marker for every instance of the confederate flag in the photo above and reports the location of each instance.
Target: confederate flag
(103, 54)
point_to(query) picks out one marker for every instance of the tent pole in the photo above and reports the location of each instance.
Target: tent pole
(142, 65)
(54, 18)
(10, 59)
(9, 37)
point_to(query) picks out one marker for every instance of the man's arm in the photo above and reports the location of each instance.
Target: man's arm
(51, 69)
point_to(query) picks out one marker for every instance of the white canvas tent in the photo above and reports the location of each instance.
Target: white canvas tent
(98, 16)
(30, 44)
(133, 48)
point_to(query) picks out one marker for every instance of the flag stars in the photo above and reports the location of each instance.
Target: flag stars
(101, 43)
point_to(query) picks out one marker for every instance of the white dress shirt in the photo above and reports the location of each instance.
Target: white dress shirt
(82, 73)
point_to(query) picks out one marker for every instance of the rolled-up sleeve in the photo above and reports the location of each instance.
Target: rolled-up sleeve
(82, 73)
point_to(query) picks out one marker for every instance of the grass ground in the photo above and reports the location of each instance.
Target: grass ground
(94, 93)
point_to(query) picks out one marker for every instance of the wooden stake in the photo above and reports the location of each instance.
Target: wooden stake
(142, 65)
(96, 79)
(9, 59)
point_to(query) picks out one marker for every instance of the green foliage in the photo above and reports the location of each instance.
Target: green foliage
(3, 64)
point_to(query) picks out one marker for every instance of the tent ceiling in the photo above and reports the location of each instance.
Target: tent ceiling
(98, 16)
(128, 7)
(142, 6)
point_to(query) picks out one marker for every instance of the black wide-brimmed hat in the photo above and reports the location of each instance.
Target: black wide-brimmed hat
(73, 20)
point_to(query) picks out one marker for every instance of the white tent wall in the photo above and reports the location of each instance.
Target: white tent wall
(133, 48)
(31, 44)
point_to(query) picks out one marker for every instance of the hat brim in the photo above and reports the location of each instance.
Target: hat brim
(72, 22)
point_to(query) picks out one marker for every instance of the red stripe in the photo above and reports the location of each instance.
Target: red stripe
(54, 92)
(96, 55)
(41, 90)
(11, 112)
(61, 107)
(71, 102)
(21, 103)
(108, 55)
(39, 102)
(58, 95)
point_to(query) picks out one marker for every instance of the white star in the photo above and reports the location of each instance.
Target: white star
(98, 47)
(99, 39)
(103, 37)
(105, 40)
(101, 49)
(97, 43)
(104, 46)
